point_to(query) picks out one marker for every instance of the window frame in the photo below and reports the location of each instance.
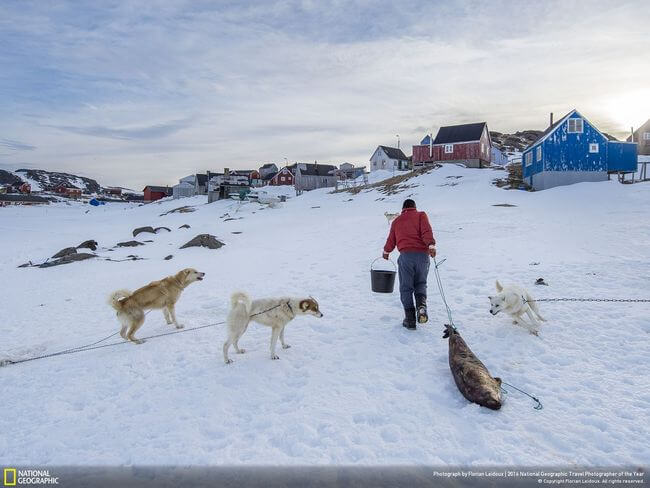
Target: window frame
(538, 153)
(528, 158)
(646, 136)
(591, 148)
(575, 125)
(449, 149)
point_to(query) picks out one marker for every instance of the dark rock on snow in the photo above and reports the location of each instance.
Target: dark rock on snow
(167, 258)
(129, 244)
(204, 240)
(70, 258)
(89, 244)
(147, 228)
(184, 226)
(158, 228)
(65, 252)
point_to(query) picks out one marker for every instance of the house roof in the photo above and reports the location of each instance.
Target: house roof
(269, 176)
(156, 188)
(460, 133)
(638, 131)
(11, 197)
(426, 141)
(268, 165)
(552, 128)
(312, 169)
(394, 153)
(202, 178)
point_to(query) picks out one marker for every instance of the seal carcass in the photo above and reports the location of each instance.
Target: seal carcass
(470, 374)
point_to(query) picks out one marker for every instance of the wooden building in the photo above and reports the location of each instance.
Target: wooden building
(642, 139)
(153, 193)
(468, 144)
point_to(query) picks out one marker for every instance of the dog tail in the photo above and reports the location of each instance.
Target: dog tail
(240, 298)
(116, 299)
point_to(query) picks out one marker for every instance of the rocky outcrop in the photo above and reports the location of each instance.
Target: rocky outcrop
(129, 244)
(204, 240)
(147, 228)
(70, 258)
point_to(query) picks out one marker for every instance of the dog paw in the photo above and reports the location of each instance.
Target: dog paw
(228, 361)
(139, 341)
(241, 351)
(275, 357)
(180, 326)
(285, 346)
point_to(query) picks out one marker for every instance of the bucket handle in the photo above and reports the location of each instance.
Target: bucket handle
(382, 258)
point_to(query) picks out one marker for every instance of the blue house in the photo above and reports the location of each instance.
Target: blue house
(572, 151)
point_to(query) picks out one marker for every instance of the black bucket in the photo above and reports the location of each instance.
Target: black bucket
(382, 281)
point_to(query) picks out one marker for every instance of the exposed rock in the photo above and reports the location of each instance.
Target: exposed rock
(184, 226)
(65, 252)
(70, 258)
(89, 244)
(50, 180)
(185, 209)
(504, 205)
(26, 265)
(158, 228)
(129, 244)
(204, 240)
(147, 228)
(167, 258)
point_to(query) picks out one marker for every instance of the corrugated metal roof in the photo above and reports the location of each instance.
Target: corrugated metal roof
(460, 133)
(394, 153)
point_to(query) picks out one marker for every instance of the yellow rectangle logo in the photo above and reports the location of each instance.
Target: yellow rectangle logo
(9, 480)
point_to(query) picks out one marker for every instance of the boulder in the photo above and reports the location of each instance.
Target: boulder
(129, 244)
(147, 228)
(65, 252)
(184, 226)
(70, 258)
(204, 240)
(159, 228)
(167, 258)
(89, 244)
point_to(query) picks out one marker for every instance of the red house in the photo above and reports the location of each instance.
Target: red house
(282, 177)
(153, 193)
(469, 144)
(25, 188)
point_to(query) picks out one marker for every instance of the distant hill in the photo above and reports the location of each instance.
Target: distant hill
(50, 180)
(516, 142)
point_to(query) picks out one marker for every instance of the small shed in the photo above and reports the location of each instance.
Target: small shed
(153, 193)
(468, 144)
(573, 150)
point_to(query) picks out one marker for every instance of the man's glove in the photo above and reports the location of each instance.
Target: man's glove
(432, 251)
(385, 255)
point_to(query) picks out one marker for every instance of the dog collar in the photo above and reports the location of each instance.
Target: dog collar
(290, 309)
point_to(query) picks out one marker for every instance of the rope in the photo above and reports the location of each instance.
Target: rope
(538, 406)
(442, 291)
(92, 346)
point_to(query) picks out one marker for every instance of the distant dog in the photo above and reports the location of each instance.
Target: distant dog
(273, 312)
(161, 294)
(390, 216)
(515, 301)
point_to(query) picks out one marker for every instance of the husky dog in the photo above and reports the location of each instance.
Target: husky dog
(273, 312)
(515, 301)
(163, 294)
(390, 216)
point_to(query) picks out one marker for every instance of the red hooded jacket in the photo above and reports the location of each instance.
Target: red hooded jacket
(411, 232)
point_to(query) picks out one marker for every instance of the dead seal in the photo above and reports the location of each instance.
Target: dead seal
(470, 374)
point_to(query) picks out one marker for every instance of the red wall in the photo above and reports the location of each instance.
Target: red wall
(288, 179)
(150, 196)
(462, 150)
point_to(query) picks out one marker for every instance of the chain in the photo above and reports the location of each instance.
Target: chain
(626, 300)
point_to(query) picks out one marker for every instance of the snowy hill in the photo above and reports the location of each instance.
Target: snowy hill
(42, 180)
(356, 387)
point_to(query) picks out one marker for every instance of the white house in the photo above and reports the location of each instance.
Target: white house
(389, 158)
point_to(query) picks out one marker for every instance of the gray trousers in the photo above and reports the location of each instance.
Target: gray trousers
(413, 268)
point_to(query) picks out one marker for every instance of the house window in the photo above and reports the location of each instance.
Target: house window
(281, 178)
(449, 148)
(575, 126)
(646, 136)
(529, 158)
(539, 153)
(593, 147)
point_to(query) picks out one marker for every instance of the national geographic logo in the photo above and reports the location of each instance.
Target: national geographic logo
(27, 477)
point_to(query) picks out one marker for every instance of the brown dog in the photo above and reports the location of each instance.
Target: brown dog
(161, 294)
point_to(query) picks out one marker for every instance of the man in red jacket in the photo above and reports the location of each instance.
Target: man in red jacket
(412, 234)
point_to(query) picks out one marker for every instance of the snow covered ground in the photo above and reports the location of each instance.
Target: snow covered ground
(356, 387)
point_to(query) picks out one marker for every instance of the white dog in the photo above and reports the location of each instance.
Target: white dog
(273, 312)
(390, 216)
(515, 301)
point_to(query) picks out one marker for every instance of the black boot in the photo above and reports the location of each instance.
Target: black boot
(409, 318)
(421, 303)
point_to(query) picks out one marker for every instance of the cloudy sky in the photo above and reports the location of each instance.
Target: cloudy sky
(145, 92)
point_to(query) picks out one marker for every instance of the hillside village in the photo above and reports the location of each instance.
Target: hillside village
(570, 150)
